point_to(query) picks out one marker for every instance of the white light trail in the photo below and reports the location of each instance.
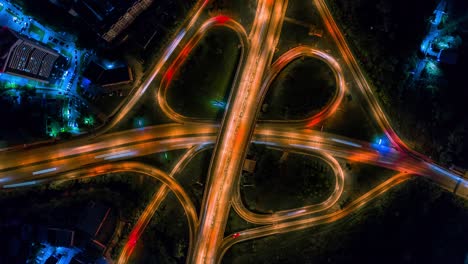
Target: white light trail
(121, 155)
(20, 184)
(346, 142)
(111, 154)
(44, 171)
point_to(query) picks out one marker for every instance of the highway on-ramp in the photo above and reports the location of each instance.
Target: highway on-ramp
(105, 153)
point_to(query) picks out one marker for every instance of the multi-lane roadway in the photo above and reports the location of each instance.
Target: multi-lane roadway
(104, 153)
(20, 166)
(236, 130)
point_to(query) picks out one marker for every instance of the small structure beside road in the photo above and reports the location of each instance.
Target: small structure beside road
(249, 165)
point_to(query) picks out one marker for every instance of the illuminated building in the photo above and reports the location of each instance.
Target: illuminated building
(24, 57)
(107, 17)
(108, 75)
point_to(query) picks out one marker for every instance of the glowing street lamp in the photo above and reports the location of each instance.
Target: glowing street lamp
(139, 122)
(381, 144)
(89, 121)
(433, 69)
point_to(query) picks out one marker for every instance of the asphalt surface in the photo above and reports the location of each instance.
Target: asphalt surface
(105, 153)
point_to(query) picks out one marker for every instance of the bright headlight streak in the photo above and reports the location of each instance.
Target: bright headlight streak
(22, 184)
(44, 171)
(122, 155)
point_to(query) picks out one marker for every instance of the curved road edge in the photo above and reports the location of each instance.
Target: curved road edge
(155, 202)
(289, 226)
(140, 168)
(283, 215)
(218, 21)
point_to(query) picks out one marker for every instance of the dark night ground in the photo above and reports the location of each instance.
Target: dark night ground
(22, 124)
(296, 181)
(429, 114)
(414, 223)
(200, 81)
(301, 90)
(60, 205)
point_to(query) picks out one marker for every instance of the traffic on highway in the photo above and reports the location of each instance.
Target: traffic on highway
(107, 151)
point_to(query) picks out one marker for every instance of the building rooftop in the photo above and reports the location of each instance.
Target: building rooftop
(60, 237)
(92, 218)
(52, 260)
(22, 56)
(448, 56)
(103, 76)
(249, 165)
(106, 17)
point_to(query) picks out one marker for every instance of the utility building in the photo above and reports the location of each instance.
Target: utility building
(24, 57)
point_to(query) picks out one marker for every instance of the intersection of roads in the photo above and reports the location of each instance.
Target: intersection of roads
(106, 152)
